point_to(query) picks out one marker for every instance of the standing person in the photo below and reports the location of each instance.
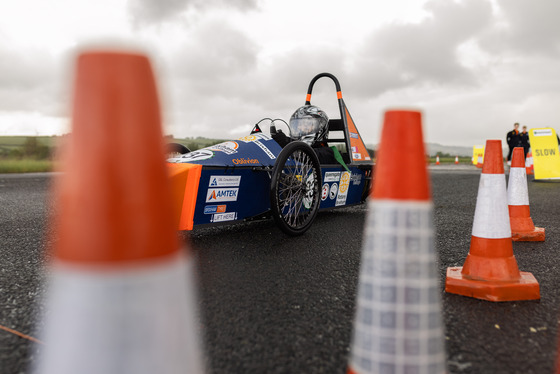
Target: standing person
(513, 140)
(524, 139)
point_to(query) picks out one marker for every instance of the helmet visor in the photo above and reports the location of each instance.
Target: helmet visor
(304, 126)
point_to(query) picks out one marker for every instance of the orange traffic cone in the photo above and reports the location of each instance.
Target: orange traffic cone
(522, 226)
(529, 164)
(398, 325)
(456, 160)
(121, 298)
(437, 160)
(490, 271)
(479, 162)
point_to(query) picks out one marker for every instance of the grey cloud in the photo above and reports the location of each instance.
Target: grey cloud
(220, 65)
(398, 55)
(147, 12)
(215, 57)
(29, 81)
(531, 27)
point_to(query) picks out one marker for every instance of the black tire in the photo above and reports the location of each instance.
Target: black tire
(172, 148)
(295, 189)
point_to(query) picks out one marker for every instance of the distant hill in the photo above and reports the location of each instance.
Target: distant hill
(453, 150)
(10, 142)
(434, 148)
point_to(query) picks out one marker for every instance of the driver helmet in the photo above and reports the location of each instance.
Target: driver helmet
(309, 124)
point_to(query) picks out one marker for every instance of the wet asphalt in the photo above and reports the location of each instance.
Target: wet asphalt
(276, 304)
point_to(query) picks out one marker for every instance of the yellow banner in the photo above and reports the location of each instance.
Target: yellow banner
(477, 150)
(546, 158)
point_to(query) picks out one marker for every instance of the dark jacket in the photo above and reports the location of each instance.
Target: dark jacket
(513, 139)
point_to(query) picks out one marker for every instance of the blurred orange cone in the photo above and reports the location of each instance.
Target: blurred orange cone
(121, 298)
(529, 164)
(522, 227)
(437, 160)
(398, 325)
(479, 162)
(456, 160)
(490, 271)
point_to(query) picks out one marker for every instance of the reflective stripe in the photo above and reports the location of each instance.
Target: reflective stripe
(491, 216)
(517, 187)
(398, 323)
(139, 320)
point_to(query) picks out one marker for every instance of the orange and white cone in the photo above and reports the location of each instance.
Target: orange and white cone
(522, 227)
(456, 160)
(529, 164)
(398, 324)
(490, 271)
(437, 160)
(122, 298)
(479, 162)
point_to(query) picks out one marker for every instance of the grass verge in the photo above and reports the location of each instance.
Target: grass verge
(25, 166)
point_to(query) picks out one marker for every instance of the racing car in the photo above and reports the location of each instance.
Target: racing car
(319, 164)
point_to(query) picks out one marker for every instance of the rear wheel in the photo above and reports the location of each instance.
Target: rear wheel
(295, 193)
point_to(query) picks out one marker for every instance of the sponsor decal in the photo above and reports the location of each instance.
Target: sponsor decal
(224, 181)
(309, 193)
(202, 154)
(245, 161)
(344, 181)
(354, 135)
(367, 158)
(228, 148)
(343, 189)
(254, 138)
(357, 156)
(354, 149)
(334, 191)
(545, 132)
(221, 194)
(212, 209)
(332, 176)
(223, 217)
(356, 179)
(325, 192)
(265, 150)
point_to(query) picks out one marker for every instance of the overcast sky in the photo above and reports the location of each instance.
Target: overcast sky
(474, 67)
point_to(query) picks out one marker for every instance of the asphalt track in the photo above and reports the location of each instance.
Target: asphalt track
(274, 304)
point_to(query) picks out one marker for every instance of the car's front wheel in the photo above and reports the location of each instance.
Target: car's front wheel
(295, 193)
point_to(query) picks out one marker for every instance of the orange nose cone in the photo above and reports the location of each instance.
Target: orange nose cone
(113, 197)
(400, 172)
(493, 159)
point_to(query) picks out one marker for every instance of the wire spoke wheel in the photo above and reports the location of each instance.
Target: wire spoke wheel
(295, 188)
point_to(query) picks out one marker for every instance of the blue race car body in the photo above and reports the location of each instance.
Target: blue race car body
(254, 177)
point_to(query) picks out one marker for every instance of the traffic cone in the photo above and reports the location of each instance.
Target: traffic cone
(529, 164)
(479, 162)
(490, 271)
(522, 226)
(121, 295)
(456, 160)
(398, 325)
(437, 160)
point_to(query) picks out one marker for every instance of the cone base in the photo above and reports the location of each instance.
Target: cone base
(525, 288)
(532, 236)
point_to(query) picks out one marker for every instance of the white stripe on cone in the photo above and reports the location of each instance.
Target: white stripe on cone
(491, 215)
(398, 321)
(133, 321)
(517, 191)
